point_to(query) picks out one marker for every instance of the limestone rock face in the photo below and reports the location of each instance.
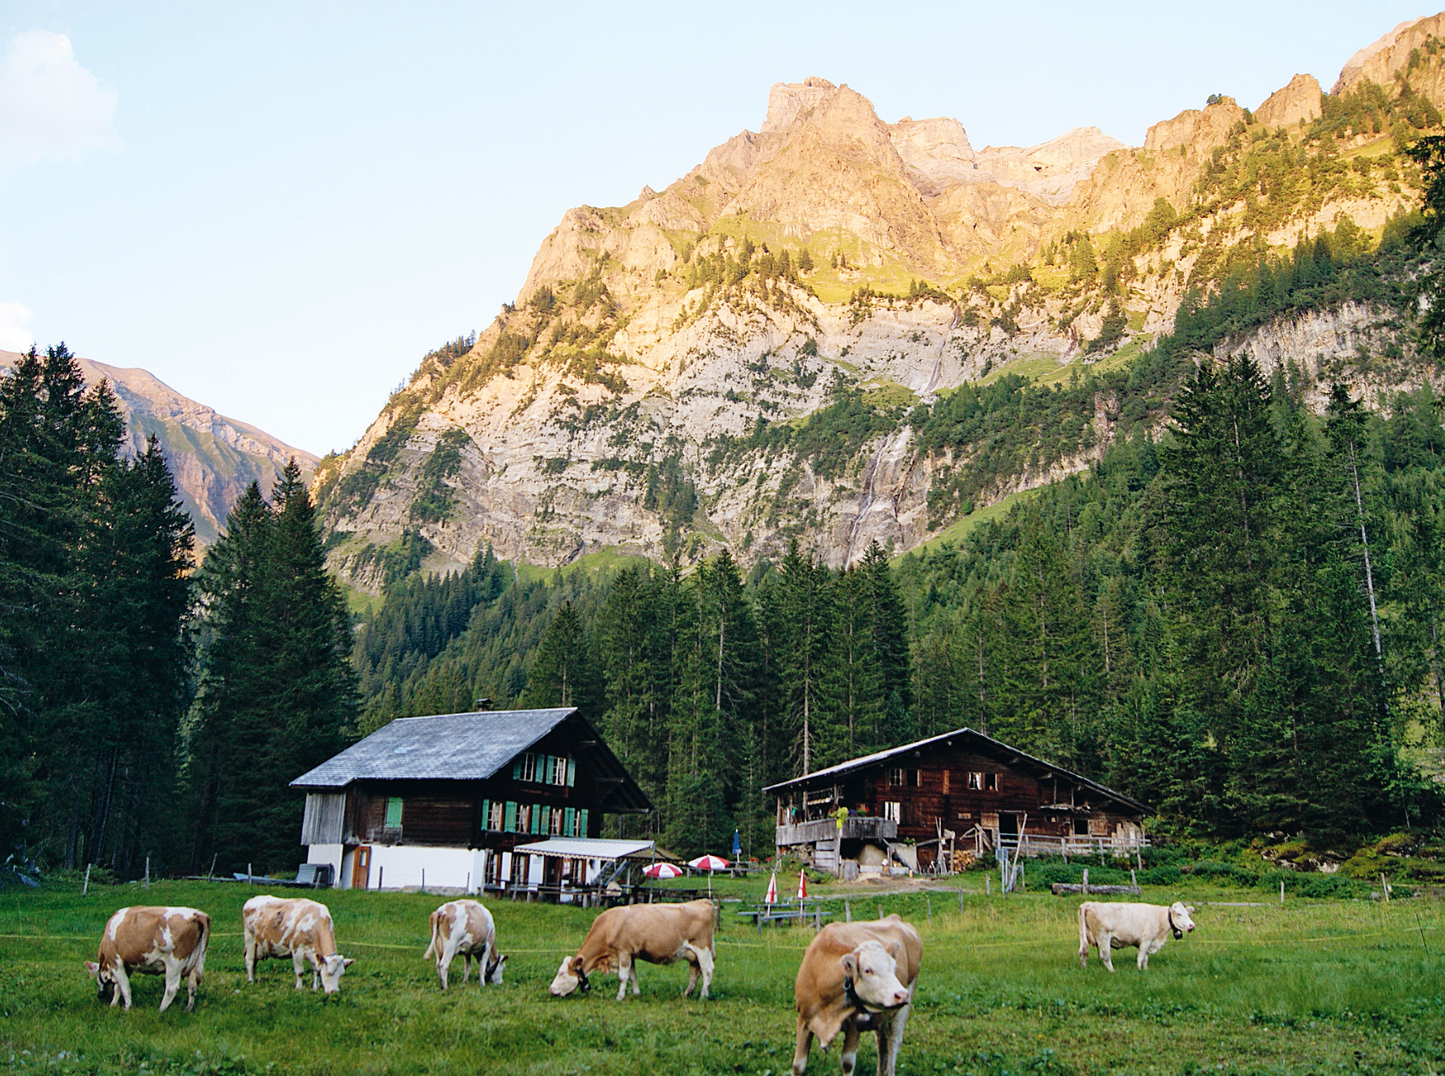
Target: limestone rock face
(1198, 130)
(626, 399)
(211, 457)
(1299, 100)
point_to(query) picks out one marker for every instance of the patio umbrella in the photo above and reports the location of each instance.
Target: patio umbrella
(737, 845)
(663, 870)
(708, 863)
(772, 895)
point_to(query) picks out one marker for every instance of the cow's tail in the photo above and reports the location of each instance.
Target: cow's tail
(431, 949)
(201, 946)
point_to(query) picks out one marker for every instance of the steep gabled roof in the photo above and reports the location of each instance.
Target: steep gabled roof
(471, 747)
(984, 744)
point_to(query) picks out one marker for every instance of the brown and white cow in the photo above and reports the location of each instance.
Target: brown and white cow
(298, 928)
(464, 928)
(656, 933)
(1107, 925)
(857, 977)
(156, 941)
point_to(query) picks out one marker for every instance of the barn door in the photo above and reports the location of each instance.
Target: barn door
(361, 867)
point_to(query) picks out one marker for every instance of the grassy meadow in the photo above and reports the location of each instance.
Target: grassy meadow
(1311, 986)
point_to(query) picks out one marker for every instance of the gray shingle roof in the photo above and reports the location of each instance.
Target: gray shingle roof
(454, 747)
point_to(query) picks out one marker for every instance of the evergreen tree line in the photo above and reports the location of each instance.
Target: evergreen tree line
(1238, 624)
(148, 711)
(708, 686)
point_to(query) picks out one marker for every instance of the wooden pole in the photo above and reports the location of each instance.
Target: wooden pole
(249, 874)
(1086, 881)
(1385, 886)
(84, 889)
(847, 911)
(1281, 890)
(211, 873)
(423, 879)
(988, 885)
(148, 871)
(380, 877)
(929, 900)
(1134, 881)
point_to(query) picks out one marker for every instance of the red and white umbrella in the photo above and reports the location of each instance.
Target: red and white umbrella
(772, 897)
(802, 886)
(663, 870)
(708, 863)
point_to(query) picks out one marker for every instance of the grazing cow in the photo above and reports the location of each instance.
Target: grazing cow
(156, 941)
(1106, 926)
(464, 928)
(657, 933)
(857, 977)
(298, 928)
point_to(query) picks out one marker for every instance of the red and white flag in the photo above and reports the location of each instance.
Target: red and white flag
(802, 885)
(772, 897)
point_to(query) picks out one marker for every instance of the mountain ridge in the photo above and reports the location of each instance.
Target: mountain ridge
(832, 257)
(212, 458)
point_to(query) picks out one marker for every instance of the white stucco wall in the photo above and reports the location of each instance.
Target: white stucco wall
(400, 866)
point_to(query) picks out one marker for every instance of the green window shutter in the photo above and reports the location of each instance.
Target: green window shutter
(517, 770)
(582, 822)
(509, 822)
(486, 815)
(393, 812)
(536, 818)
(544, 769)
(569, 822)
(571, 772)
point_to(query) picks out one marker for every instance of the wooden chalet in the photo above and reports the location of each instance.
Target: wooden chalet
(935, 804)
(445, 800)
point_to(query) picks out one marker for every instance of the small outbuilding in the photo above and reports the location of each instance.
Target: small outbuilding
(936, 804)
(447, 801)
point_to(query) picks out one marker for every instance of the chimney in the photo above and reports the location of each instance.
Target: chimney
(481, 705)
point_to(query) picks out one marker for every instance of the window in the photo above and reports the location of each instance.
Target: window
(897, 777)
(975, 782)
(545, 769)
(558, 820)
(495, 817)
(893, 811)
(393, 813)
(990, 782)
(1081, 826)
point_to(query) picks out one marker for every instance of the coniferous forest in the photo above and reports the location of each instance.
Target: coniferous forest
(1235, 615)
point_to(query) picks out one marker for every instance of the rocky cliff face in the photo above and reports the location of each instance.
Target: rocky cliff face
(213, 458)
(644, 390)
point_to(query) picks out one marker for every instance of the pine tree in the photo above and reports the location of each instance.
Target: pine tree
(564, 672)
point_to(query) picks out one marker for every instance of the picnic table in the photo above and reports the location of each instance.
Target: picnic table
(786, 912)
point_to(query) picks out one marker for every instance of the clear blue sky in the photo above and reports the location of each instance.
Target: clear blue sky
(279, 208)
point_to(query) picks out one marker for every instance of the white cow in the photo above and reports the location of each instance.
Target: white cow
(1109, 926)
(464, 928)
(298, 928)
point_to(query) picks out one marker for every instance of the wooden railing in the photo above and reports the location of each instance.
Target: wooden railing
(871, 828)
(1081, 846)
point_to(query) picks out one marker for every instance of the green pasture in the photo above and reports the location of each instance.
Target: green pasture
(1310, 986)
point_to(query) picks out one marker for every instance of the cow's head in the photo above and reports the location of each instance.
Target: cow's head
(104, 980)
(1179, 920)
(873, 970)
(332, 968)
(570, 977)
(494, 969)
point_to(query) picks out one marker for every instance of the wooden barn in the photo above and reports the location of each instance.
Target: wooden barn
(933, 804)
(446, 800)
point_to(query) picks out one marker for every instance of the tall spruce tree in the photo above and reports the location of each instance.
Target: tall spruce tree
(277, 694)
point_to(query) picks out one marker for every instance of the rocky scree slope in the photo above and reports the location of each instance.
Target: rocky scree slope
(753, 354)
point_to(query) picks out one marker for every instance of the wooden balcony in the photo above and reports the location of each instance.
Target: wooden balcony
(863, 828)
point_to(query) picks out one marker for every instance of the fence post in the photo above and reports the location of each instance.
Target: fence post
(1385, 886)
(930, 908)
(148, 871)
(86, 887)
(423, 879)
(988, 885)
(1133, 879)
(1086, 881)
(211, 873)
(249, 874)
(380, 877)
(847, 911)
(1281, 890)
